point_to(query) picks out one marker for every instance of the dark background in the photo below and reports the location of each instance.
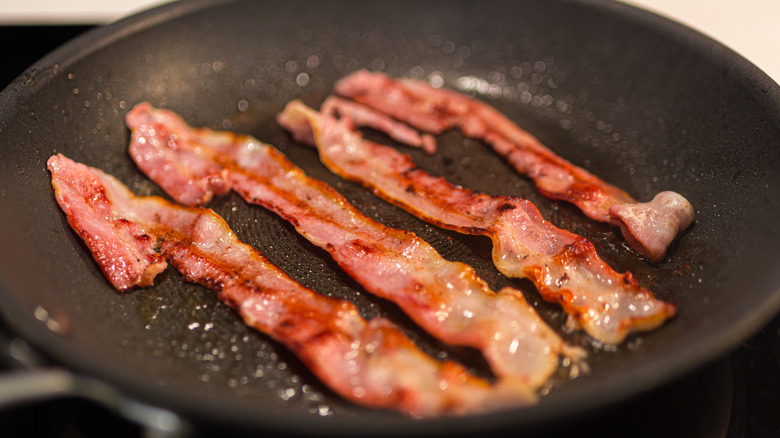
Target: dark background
(738, 396)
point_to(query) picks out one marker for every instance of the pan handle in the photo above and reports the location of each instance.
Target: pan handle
(29, 384)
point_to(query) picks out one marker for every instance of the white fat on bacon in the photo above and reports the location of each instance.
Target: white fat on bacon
(369, 362)
(445, 298)
(649, 228)
(563, 266)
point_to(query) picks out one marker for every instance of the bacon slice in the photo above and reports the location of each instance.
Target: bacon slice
(361, 115)
(649, 228)
(122, 250)
(369, 362)
(563, 266)
(446, 298)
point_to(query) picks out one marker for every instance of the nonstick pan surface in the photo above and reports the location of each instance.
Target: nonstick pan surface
(643, 102)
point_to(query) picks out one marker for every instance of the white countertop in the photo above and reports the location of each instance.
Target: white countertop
(748, 27)
(64, 12)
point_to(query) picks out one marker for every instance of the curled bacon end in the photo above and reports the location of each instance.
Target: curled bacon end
(124, 252)
(186, 178)
(651, 227)
(428, 144)
(369, 362)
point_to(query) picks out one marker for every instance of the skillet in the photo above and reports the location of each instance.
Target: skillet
(640, 101)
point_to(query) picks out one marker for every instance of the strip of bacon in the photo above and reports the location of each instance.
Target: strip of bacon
(369, 362)
(563, 266)
(363, 116)
(649, 228)
(445, 298)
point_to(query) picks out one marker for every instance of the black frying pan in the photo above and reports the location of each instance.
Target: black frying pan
(643, 102)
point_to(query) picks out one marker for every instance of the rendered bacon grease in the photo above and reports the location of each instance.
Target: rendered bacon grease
(445, 298)
(369, 362)
(649, 228)
(563, 266)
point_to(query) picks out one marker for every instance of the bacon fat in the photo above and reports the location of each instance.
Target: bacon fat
(369, 362)
(649, 228)
(445, 298)
(563, 266)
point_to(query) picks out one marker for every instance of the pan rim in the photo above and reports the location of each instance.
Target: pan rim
(761, 86)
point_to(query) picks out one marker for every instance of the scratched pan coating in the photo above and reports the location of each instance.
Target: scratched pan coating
(643, 102)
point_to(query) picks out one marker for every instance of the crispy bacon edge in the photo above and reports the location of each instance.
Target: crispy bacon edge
(649, 228)
(368, 362)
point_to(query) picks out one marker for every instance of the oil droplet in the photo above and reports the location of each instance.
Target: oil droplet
(313, 61)
(287, 393)
(436, 80)
(58, 324)
(377, 64)
(448, 47)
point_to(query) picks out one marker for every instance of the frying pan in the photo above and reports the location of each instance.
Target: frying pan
(641, 101)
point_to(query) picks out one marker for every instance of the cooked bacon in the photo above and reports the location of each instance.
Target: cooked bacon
(361, 115)
(563, 266)
(446, 298)
(436, 110)
(123, 251)
(652, 226)
(369, 362)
